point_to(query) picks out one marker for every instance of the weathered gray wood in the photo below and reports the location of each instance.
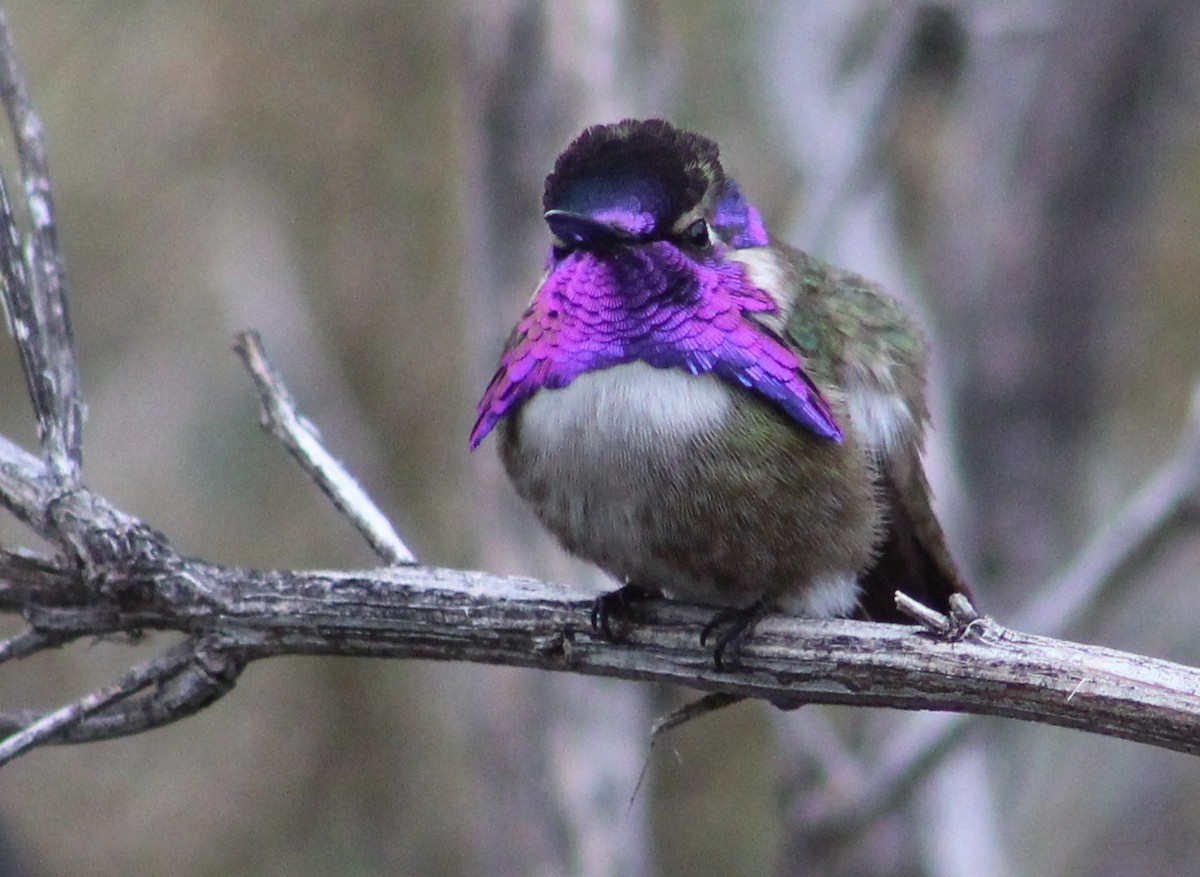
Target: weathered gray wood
(456, 615)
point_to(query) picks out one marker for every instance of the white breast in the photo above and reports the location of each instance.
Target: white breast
(629, 406)
(594, 456)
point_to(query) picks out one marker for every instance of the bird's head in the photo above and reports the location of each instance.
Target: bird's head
(637, 182)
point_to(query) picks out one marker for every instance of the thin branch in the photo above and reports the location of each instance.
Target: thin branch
(1169, 494)
(930, 619)
(158, 670)
(692, 710)
(24, 644)
(31, 581)
(34, 290)
(281, 418)
(210, 673)
(25, 483)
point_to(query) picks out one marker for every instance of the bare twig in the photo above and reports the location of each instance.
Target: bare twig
(34, 290)
(209, 674)
(282, 420)
(46, 727)
(25, 485)
(24, 644)
(930, 619)
(691, 710)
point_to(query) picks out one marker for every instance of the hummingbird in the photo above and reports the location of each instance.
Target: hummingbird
(707, 413)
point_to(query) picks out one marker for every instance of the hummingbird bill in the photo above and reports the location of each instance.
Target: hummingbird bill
(707, 413)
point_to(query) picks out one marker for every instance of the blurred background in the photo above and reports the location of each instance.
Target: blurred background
(361, 182)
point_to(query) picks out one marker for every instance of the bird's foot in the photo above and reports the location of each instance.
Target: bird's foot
(619, 605)
(738, 623)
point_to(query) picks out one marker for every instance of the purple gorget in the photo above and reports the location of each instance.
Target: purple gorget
(650, 302)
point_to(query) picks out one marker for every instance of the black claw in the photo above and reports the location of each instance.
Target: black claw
(739, 623)
(617, 604)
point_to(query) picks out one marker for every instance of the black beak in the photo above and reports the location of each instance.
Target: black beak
(581, 230)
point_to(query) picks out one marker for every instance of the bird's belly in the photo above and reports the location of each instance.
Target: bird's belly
(597, 459)
(633, 469)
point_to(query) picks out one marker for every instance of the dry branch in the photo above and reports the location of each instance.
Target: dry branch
(300, 437)
(443, 614)
(52, 377)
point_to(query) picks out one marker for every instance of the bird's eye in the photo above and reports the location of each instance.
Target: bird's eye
(696, 234)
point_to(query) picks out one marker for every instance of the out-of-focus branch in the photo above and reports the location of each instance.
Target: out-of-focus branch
(33, 287)
(992, 220)
(1168, 498)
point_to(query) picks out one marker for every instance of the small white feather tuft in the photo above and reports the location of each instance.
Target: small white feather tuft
(831, 597)
(771, 273)
(882, 420)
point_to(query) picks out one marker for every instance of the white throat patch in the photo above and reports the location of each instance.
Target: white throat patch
(767, 270)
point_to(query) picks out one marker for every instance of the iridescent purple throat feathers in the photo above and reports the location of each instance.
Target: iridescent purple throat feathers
(621, 288)
(652, 304)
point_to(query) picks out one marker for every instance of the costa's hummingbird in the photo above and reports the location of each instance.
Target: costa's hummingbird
(705, 412)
